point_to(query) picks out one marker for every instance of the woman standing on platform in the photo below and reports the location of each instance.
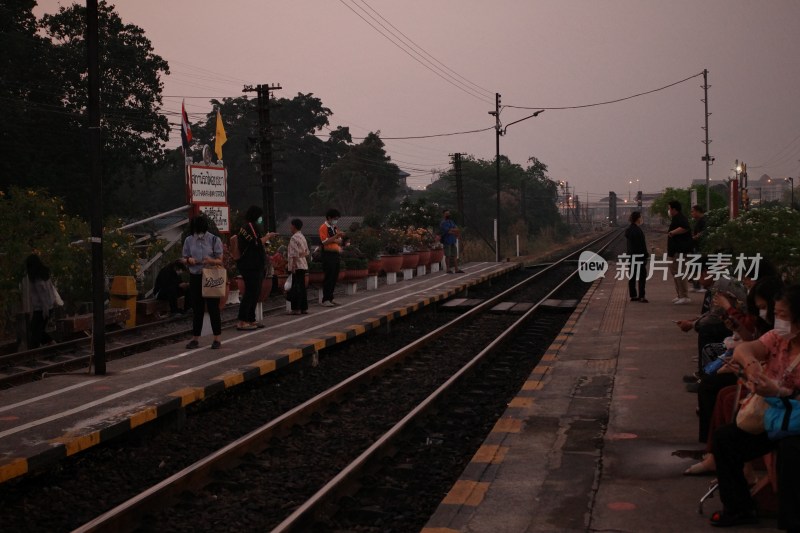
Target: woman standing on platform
(298, 266)
(637, 250)
(202, 248)
(39, 299)
(251, 265)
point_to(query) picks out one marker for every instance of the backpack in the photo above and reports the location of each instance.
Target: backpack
(233, 247)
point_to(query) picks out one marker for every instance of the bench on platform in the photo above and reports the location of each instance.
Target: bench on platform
(149, 309)
(72, 325)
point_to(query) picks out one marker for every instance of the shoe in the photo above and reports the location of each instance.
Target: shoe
(634, 299)
(703, 468)
(216, 345)
(259, 325)
(726, 519)
(192, 345)
(681, 301)
(690, 378)
(335, 304)
(644, 300)
(459, 272)
(303, 312)
(450, 272)
(246, 327)
(327, 303)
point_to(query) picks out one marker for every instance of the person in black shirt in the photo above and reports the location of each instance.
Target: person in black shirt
(251, 265)
(169, 286)
(698, 232)
(637, 249)
(679, 244)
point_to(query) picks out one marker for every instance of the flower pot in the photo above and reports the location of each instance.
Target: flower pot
(282, 281)
(410, 260)
(374, 266)
(436, 255)
(356, 274)
(316, 277)
(424, 257)
(391, 263)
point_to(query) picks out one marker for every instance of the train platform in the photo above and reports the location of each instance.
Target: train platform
(63, 414)
(588, 444)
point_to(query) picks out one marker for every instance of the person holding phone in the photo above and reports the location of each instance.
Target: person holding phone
(331, 239)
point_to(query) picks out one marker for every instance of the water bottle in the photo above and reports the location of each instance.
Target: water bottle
(716, 364)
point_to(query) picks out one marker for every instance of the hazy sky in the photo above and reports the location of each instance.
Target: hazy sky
(555, 53)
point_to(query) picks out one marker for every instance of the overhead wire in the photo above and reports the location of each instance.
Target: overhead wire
(411, 41)
(608, 101)
(415, 55)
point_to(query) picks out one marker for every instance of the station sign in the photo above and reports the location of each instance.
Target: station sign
(219, 214)
(207, 184)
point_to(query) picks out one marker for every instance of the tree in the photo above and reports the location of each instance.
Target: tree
(660, 204)
(52, 115)
(364, 181)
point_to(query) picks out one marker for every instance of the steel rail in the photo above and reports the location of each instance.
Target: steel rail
(126, 516)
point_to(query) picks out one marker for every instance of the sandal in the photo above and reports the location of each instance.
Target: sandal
(725, 519)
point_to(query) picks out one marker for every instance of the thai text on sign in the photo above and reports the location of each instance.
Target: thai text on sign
(207, 184)
(219, 214)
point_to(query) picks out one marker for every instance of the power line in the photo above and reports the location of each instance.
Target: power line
(421, 60)
(410, 41)
(609, 101)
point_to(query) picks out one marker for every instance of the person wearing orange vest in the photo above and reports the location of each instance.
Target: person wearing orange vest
(331, 239)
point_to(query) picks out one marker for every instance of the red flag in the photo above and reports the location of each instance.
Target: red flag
(186, 130)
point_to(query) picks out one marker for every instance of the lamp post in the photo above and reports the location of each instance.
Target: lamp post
(791, 184)
(500, 130)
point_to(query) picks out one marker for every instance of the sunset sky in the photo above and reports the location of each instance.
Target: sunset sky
(537, 54)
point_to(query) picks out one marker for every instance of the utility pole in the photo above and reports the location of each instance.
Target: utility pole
(264, 93)
(96, 188)
(497, 129)
(459, 187)
(707, 158)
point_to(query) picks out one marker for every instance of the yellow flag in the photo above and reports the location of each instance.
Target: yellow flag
(220, 137)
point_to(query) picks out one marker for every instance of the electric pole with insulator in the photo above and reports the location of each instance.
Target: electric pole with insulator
(263, 94)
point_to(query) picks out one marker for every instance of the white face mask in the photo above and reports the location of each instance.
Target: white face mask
(200, 235)
(762, 313)
(334, 222)
(784, 329)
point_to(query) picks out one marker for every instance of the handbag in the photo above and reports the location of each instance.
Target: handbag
(782, 418)
(214, 281)
(750, 417)
(288, 285)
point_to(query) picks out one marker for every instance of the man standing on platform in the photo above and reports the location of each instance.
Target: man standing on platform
(679, 243)
(698, 232)
(449, 235)
(331, 239)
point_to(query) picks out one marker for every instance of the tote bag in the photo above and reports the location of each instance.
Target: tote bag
(214, 281)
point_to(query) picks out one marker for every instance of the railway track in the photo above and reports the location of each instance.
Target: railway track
(75, 354)
(294, 472)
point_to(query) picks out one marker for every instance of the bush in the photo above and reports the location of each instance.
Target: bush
(772, 232)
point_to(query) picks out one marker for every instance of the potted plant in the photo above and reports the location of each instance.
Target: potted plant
(355, 268)
(315, 273)
(368, 244)
(393, 242)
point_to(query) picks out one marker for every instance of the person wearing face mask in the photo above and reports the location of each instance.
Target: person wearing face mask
(448, 230)
(331, 239)
(202, 248)
(717, 392)
(769, 367)
(251, 266)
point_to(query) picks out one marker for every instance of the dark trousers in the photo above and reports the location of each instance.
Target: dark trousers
(707, 392)
(39, 334)
(200, 305)
(252, 290)
(638, 276)
(789, 483)
(330, 266)
(732, 449)
(297, 294)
